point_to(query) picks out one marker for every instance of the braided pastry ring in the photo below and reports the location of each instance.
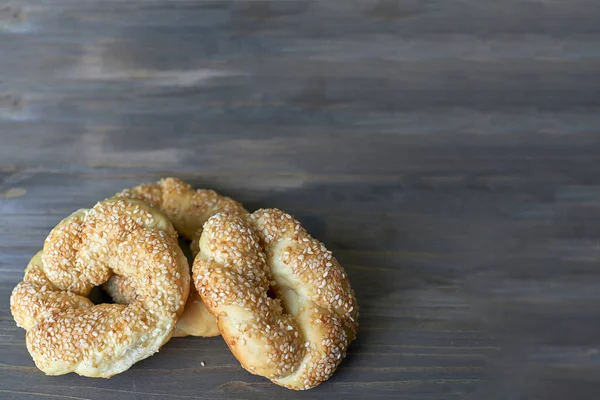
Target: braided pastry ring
(298, 339)
(188, 210)
(66, 332)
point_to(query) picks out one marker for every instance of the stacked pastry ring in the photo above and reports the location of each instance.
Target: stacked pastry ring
(281, 301)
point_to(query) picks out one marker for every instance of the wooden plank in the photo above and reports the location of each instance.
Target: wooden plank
(447, 152)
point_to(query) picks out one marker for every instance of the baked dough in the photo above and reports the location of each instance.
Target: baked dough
(66, 332)
(298, 336)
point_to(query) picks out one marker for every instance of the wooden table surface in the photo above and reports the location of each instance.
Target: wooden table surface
(448, 152)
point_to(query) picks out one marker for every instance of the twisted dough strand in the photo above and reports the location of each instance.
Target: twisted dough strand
(65, 331)
(297, 339)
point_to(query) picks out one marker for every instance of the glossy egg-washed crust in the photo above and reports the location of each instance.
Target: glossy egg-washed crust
(188, 210)
(66, 332)
(296, 339)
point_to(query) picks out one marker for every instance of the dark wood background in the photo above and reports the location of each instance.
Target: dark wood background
(448, 152)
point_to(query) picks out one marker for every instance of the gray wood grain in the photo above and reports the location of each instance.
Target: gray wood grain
(448, 152)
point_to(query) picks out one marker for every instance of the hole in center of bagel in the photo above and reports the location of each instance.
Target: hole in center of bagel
(280, 296)
(185, 246)
(271, 293)
(100, 296)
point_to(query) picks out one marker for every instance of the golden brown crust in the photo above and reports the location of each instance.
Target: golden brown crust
(188, 210)
(196, 320)
(36, 296)
(298, 339)
(65, 331)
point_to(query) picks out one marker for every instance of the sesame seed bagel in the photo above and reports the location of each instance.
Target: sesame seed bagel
(66, 332)
(188, 210)
(296, 339)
